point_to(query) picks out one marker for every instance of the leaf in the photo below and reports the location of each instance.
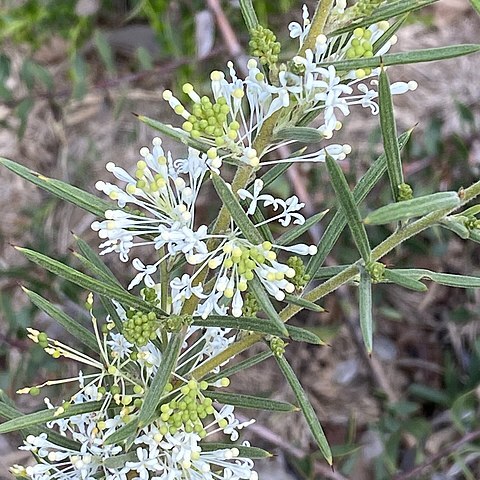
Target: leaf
(416, 207)
(303, 335)
(306, 408)
(235, 209)
(389, 33)
(122, 433)
(415, 56)
(240, 366)
(249, 401)
(105, 51)
(348, 206)
(78, 73)
(448, 279)
(69, 324)
(295, 232)
(398, 278)
(90, 255)
(365, 309)
(338, 223)
(245, 452)
(476, 5)
(89, 283)
(157, 387)
(266, 305)
(454, 224)
(328, 272)
(300, 134)
(266, 326)
(67, 192)
(119, 461)
(389, 135)
(10, 413)
(248, 14)
(5, 64)
(302, 302)
(22, 110)
(45, 416)
(385, 12)
(175, 133)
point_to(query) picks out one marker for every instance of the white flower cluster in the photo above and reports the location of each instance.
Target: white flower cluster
(170, 447)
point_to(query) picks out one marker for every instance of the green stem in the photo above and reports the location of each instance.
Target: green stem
(317, 26)
(343, 277)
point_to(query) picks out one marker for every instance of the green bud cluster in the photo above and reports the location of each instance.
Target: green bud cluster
(472, 223)
(43, 339)
(174, 323)
(364, 8)
(301, 278)
(150, 295)
(209, 120)
(361, 47)
(189, 409)
(140, 327)
(405, 192)
(250, 305)
(376, 271)
(264, 45)
(146, 182)
(277, 345)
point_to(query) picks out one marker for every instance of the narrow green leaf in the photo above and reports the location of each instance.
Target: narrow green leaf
(67, 192)
(68, 323)
(266, 326)
(385, 12)
(349, 207)
(120, 460)
(122, 433)
(306, 408)
(240, 366)
(416, 207)
(95, 260)
(365, 308)
(164, 372)
(405, 281)
(89, 283)
(105, 51)
(471, 211)
(476, 5)
(235, 209)
(249, 401)
(272, 174)
(245, 452)
(389, 135)
(416, 56)
(454, 224)
(303, 335)
(338, 223)
(9, 412)
(175, 133)
(448, 279)
(392, 30)
(301, 302)
(94, 270)
(248, 14)
(328, 272)
(22, 111)
(266, 305)
(299, 230)
(45, 416)
(300, 134)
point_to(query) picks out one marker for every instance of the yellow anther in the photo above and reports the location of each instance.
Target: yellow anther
(213, 263)
(187, 88)
(179, 109)
(228, 292)
(238, 93)
(131, 189)
(162, 160)
(271, 255)
(270, 276)
(167, 95)
(237, 252)
(113, 195)
(279, 276)
(290, 273)
(216, 76)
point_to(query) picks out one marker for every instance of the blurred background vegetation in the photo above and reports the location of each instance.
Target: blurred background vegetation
(71, 71)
